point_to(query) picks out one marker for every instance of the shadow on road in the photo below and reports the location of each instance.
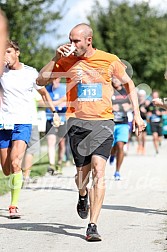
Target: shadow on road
(135, 209)
(49, 188)
(55, 228)
(4, 210)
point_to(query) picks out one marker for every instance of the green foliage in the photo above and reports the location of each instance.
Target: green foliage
(4, 184)
(38, 170)
(137, 34)
(28, 21)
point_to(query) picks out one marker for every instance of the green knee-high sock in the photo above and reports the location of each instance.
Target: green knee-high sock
(16, 180)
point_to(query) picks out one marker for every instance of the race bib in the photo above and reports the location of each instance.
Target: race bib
(1, 126)
(6, 126)
(155, 118)
(119, 116)
(89, 92)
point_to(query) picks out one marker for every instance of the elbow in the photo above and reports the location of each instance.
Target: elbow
(41, 82)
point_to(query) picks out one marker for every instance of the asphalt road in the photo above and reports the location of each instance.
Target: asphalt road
(133, 217)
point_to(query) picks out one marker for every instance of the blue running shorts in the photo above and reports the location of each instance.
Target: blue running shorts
(121, 133)
(20, 132)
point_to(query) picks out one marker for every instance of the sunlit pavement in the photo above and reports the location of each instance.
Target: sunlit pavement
(132, 218)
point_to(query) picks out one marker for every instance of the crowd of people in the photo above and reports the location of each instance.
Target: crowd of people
(152, 110)
(152, 114)
(90, 111)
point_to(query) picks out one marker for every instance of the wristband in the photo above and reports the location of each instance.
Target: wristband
(54, 111)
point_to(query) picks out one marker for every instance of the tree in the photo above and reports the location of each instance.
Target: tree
(28, 21)
(137, 34)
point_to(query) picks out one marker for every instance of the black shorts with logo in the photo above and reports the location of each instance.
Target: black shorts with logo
(88, 138)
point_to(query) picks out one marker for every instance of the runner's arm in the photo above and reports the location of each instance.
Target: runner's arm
(159, 103)
(49, 103)
(46, 74)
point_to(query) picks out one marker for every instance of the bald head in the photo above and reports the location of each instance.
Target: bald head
(83, 29)
(81, 37)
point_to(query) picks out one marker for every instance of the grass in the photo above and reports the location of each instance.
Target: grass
(4, 187)
(38, 169)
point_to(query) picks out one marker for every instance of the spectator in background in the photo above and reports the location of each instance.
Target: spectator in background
(154, 115)
(33, 146)
(141, 139)
(54, 135)
(161, 103)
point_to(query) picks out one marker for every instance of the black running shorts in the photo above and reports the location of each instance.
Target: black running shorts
(90, 137)
(156, 127)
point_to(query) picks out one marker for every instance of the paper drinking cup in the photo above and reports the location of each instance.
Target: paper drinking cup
(71, 50)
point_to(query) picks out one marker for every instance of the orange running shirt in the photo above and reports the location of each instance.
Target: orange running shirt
(89, 88)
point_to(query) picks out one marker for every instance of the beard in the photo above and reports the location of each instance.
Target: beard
(80, 52)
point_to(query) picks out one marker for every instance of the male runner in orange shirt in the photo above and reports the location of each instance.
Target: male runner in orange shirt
(89, 73)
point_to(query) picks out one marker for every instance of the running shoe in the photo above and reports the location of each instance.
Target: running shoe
(111, 159)
(92, 234)
(117, 175)
(51, 169)
(82, 206)
(59, 169)
(14, 212)
(29, 180)
(26, 181)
